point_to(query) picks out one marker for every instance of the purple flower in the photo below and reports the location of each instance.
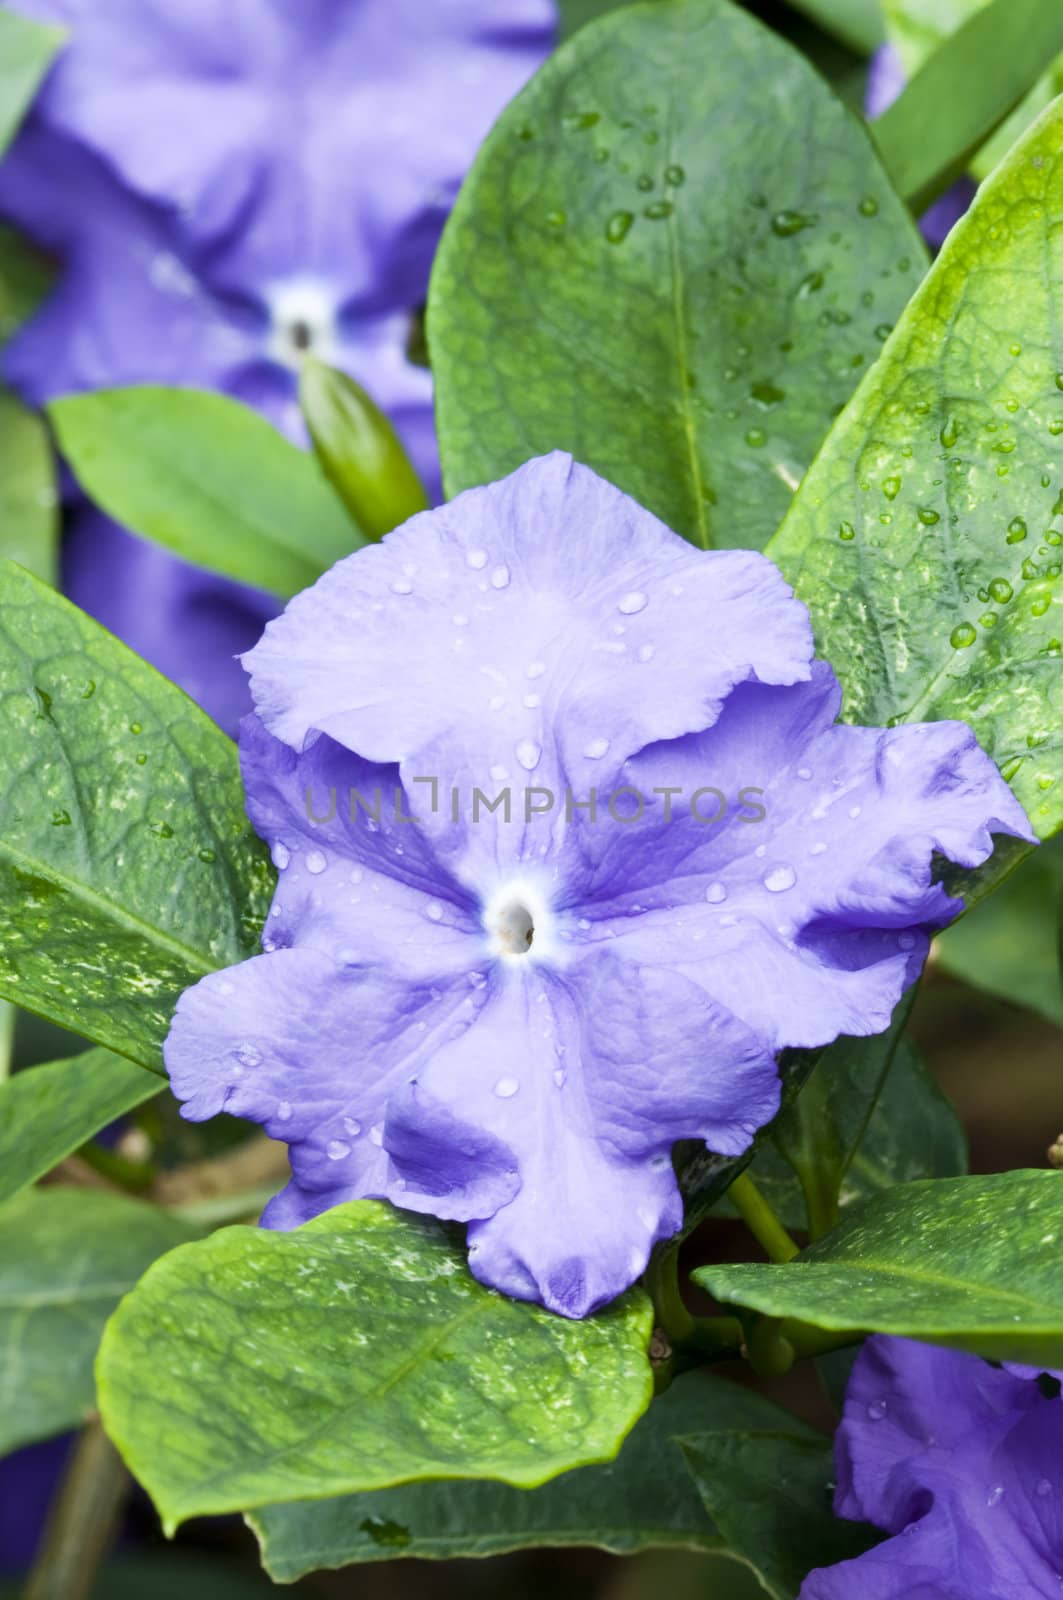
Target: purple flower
(228, 187)
(508, 1016)
(885, 80)
(961, 1462)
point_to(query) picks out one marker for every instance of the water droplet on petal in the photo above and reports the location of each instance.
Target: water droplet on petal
(505, 1088)
(804, 773)
(616, 229)
(499, 774)
(646, 652)
(336, 1149)
(500, 578)
(535, 669)
(854, 811)
(780, 878)
(633, 602)
(353, 1128)
(715, 893)
(529, 754)
(476, 559)
(249, 1055)
(533, 701)
(401, 586)
(559, 1077)
(906, 941)
(963, 636)
(280, 856)
(877, 1410)
(995, 1495)
(596, 749)
(316, 862)
(376, 1134)
(434, 911)
(817, 849)
(284, 1111)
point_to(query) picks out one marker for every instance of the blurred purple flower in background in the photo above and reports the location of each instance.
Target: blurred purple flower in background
(885, 80)
(508, 1016)
(228, 188)
(961, 1462)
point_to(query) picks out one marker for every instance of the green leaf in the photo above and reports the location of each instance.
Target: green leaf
(870, 1120)
(857, 23)
(926, 537)
(368, 1356)
(48, 1112)
(208, 478)
(770, 1494)
(965, 89)
(967, 1262)
(640, 1501)
(918, 28)
(128, 868)
(25, 278)
(359, 451)
(26, 52)
(29, 501)
(66, 1258)
(675, 234)
(1010, 944)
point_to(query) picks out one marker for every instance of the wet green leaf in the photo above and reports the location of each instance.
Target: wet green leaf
(208, 478)
(66, 1258)
(674, 256)
(48, 1112)
(29, 501)
(128, 868)
(927, 539)
(354, 1353)
(642, 1500)
(967, 1262)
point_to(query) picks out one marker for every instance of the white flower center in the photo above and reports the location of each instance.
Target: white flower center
(517, 920)
(302, 322)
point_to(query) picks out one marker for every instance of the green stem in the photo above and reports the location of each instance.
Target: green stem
(82, 1522)
(662, 1281)
(136, 1176)
(760, 1219)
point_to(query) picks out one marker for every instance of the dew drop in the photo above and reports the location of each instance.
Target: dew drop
(780, 878)
(476, 559)
(928, 516)
(1016, 530)
(336, 1149)
(618, 225)
(280, 856)
(316, 862)
(284, 1111)
(854, 811)
(846, 531)
(784, 224)
(817, 849)
(248, 1056)
(675, 176)
(434, 911)
(906, 941)
(596, 749)
(715, 893)
(535, 669)
(353, 1128)
(401, 586)
(1040, 606)
(869, 206)
(376, 1134)
(963, 636)
(529, 754)
(756, 438)
(559, 1077)
(877, 1410)
(995, 1495)
(891, 486)
(500, 578)
(532, 702)
(499, 774)
(630, 604)
(658, 210)
(506, 1088)
(949, 433)
(804, 773)
(646, 652)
